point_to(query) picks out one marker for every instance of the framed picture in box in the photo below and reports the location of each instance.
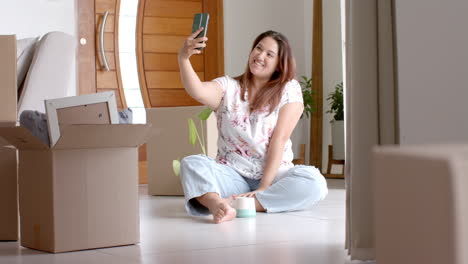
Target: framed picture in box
(98, 108)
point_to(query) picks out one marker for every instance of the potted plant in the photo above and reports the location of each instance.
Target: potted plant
(299, 135)
(194, 136)
(307, 95)
(337, 124)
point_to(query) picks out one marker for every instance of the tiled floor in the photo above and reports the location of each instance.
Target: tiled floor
(168, 235)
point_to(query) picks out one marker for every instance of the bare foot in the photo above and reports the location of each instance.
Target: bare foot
(223, 212)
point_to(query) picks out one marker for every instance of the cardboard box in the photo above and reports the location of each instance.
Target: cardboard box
(169, 140)
(8, 162)
(82, 193)
(8, 194)
(8, 98)
(421, 204)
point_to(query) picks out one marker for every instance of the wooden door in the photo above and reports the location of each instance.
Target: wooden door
(158, 69)
(162, 27)
(92, 77)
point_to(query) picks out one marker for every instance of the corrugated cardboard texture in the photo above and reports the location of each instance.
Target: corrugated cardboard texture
(8, 86)
(8, 194)
(169, 141)
(36, 199)
(3, 142)
(94, 204)
(21, 138)
(81, 136)
(102, 136)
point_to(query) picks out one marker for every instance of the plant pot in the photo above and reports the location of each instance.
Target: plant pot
(338, 139)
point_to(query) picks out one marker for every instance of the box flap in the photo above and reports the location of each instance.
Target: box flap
(21, 138)
(102, 136)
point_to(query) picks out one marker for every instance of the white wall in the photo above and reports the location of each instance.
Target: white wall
(432, 63)
(244, 20)
(332, 68)
(32, 18)
(242, 25)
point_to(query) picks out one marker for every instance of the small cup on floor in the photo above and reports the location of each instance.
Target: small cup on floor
(245, 207)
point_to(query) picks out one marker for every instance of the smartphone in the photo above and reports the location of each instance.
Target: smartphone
(201, 20)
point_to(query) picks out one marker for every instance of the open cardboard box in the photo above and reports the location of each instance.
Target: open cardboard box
(82, 192)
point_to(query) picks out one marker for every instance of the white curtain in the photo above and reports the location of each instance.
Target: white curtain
(370, 114)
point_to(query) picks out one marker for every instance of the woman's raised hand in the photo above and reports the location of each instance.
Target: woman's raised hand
(191, 44)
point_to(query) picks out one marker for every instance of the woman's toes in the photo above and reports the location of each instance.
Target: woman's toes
(224, 213)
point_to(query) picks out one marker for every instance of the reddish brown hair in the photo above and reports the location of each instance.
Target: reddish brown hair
(270, 95)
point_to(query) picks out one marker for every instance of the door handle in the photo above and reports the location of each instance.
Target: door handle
(102, 53)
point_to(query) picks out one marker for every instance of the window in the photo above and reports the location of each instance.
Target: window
(128, 61)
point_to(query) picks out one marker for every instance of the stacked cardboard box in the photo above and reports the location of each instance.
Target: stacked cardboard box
(8, 194)
(8, 162)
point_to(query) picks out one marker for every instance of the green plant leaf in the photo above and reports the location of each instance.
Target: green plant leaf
(176, 167)
(192, 131)
(194, 136)
(336, 102)
(308, 96)
(204, 114)
(202, 139)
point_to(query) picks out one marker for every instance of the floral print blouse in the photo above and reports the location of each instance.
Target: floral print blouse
(243, 139)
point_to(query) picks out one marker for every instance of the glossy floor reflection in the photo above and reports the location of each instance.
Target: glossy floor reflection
(169, 235)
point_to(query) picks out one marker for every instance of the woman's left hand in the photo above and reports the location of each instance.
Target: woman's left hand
(249, 194)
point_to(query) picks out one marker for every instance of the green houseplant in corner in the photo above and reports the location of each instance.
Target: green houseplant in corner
(299, 135)
(194, 136)
(337, 109)
(307, 95)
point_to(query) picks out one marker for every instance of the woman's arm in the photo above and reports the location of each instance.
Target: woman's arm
(207, 93)
(287, 119)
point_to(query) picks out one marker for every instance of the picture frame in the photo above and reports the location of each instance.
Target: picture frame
(97, 108)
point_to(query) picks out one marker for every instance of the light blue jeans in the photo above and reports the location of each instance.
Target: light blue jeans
(300, 186)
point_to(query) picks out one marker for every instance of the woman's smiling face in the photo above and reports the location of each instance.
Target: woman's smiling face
(263, 59)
